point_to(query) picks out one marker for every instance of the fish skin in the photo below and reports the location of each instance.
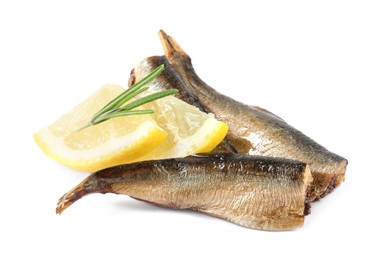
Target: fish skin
(255, 192)
(256, 131)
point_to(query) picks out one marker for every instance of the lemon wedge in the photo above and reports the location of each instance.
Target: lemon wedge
(176, 129)
(189, 130)
(116, 141)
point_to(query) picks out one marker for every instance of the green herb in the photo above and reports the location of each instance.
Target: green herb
(115, 107)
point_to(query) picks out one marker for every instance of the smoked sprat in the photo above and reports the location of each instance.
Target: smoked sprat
(255, 192)
(252, 130)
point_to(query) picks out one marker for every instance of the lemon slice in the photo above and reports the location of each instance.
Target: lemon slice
(189, 130)
(176, 129)
(116, 141)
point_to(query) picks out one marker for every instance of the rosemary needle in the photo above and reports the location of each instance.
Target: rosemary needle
(114, 107)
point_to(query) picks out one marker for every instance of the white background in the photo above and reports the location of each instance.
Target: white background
(317, 64)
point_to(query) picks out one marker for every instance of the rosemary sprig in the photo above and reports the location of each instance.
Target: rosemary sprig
(114, 107)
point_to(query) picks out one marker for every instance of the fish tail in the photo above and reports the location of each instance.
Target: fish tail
(88, 186)
(171, 47)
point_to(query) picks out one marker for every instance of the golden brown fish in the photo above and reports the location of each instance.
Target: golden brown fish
(255, 192)
(252, 130)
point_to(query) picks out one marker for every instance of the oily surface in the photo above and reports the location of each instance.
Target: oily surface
(252, 130)
(255, 192)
